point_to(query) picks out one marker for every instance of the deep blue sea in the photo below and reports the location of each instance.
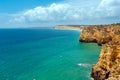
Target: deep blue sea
(45, 54)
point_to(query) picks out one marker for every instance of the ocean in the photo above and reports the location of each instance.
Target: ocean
(45, 54)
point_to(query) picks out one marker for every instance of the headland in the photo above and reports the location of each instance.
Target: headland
(108, 65)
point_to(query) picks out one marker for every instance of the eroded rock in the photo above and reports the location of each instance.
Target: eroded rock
(108, 65)
(99, 34)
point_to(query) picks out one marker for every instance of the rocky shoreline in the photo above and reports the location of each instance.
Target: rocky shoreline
(108, 65)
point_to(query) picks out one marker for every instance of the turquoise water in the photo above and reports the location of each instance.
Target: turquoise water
(45, 54)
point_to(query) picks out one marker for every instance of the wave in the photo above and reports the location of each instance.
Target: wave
(86, 65)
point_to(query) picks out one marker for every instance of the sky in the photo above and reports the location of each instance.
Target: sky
(48, 13)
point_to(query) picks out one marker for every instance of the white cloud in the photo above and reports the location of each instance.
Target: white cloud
(109, 8)
(54, 12)
(66, 12)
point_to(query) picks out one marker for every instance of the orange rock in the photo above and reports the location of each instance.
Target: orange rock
(108, 65)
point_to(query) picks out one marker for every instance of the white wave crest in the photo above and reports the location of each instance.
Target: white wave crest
(86, 65)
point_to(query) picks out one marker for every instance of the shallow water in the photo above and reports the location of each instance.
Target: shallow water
(45, 54)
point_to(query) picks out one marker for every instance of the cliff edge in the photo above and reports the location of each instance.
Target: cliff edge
(108, 65)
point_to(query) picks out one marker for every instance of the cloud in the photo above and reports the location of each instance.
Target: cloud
(109, 8)
(54, 12)
(68, 12)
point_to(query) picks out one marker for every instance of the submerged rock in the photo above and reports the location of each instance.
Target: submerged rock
(108, 65)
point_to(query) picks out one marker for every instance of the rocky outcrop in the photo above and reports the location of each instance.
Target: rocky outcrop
(99, 34)
(108, 65)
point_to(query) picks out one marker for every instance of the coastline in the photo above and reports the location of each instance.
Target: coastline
(108, 36)
(69, 27)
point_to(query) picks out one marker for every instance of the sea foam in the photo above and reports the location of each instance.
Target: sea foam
(86, 65)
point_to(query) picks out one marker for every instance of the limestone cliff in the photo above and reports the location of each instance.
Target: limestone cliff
(99, 34)
(108, 65)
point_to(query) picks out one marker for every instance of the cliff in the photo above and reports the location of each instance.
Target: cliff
(99, 34)
(108, 65)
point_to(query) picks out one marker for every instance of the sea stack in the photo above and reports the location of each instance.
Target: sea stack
(108, 65)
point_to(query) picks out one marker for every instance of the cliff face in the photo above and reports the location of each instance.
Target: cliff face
(99, 34)
(108, 65)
